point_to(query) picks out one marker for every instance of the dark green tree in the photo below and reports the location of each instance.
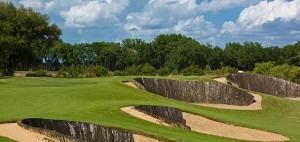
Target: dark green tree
(23, 32)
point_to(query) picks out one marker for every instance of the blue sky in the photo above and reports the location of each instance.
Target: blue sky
(272, 22)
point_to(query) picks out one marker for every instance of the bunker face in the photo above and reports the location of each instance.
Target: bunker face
(195, 92)
(172, 117)
(266, 84)
(66, 131)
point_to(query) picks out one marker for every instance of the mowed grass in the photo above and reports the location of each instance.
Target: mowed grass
(98, 101)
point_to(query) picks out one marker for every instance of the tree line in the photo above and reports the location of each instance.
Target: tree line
(29, 42)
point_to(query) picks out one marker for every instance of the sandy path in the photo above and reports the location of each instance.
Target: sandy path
(204, 125)
(15, 132)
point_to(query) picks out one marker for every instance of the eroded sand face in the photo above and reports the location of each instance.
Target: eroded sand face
(15, 132)
(204, 125)
(254, 106)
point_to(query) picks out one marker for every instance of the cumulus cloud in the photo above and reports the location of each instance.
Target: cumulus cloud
(269, 22)
(264, 12)
(216, 5)
(275, 14)
(197, 26)
(35, 4)
(94, 14)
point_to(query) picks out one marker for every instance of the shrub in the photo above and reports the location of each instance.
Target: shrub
(164, 71)
(282, 71)
(99, 71)
(119, 73)
(295, 76)
(1, 74)
(62, 74)
(147, 69)
(133, 70)
(75, 71)
(263, 68)
(225, 71)
(192, 70)
(38, 73)
(174, 72)
(207, 70)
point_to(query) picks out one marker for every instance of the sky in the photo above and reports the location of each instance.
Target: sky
(215, 22)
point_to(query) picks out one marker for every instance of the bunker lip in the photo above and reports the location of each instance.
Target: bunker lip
(207, 126)
(256, 105)
(28, 133)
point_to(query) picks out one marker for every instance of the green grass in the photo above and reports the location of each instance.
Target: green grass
(98, 101)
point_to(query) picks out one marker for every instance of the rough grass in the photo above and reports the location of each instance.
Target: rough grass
(98, 101)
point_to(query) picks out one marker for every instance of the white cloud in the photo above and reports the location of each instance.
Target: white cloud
(216, 5)
(197, 26)
(35, 4)
(266, 12)
(94, 13)
(230, 27)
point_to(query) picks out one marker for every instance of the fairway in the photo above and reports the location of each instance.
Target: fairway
(99, 101)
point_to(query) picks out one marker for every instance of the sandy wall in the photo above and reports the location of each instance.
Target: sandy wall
(195, 91)
(266, 84)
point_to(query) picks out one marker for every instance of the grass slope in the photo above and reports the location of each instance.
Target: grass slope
(98, 101)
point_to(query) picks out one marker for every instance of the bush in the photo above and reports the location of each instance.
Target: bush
(133, 70)
(119, 73)
(191, 71)
(61, 74)
(100, 71)
(207, 70)
(147, 69)
(164, 71)
(174, 72)
(38, 73)
(1, 74)
(282, 71)
(295, 76)
(263, 68)
(75, 71)
(225, 71)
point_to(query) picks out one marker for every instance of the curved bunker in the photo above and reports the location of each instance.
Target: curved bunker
(169, 116)
(195, 91)
(67, 131)
(266, 84)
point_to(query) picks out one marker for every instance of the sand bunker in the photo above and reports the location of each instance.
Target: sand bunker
(15, 132)
(204, 125)
(130, 83)
(295, 99)
(254, 106)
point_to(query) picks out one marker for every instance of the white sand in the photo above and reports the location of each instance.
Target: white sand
(15, 132)
(204, 125)
(295, 99)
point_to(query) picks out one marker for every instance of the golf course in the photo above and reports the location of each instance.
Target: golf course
(99, 101)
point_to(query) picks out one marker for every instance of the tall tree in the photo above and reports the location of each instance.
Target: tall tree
(23, 31)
